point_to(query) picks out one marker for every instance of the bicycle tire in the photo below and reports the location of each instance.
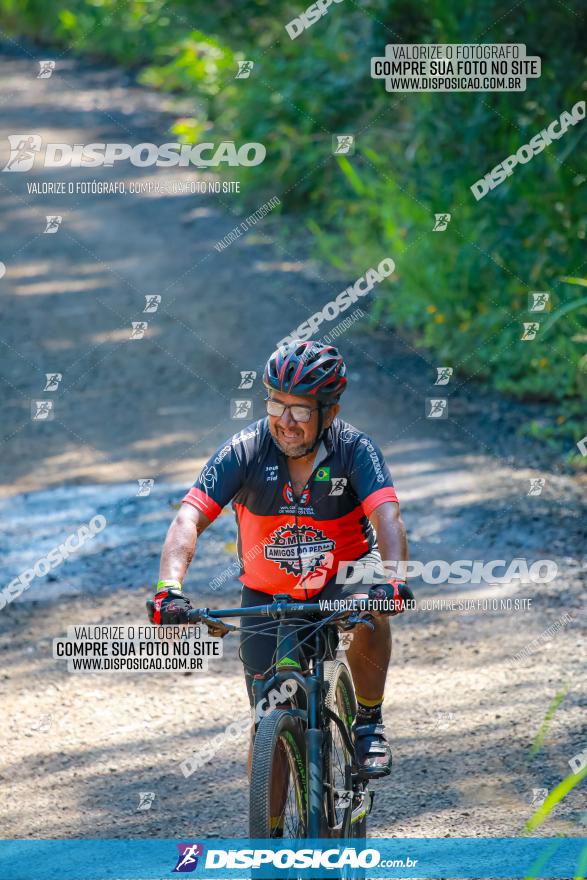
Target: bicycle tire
(278, 730)
(341, 700)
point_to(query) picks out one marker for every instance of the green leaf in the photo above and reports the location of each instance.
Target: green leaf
(564, 310)
(580, 281)
(351, 175)
(554, 798)
(67, 19)
(537, 868)
(559, 697)
(582, 865)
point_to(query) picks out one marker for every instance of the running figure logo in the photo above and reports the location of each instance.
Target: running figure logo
(247, 379)
(344, 640)
(53, 380)
(538, 301)
(443, 375)
(240, 409)
(146, 799)
(437, 409)
(538, 797)
(53, 223)
(42, 724)
(138, 329)
(536, 486)
(441, 222)
(46, 69)
(152, 302)
(244, 69)
(188, 857)
(145, 486)
(23, 149)
(42, 410)
(530, 330)
(314, 577)
(343, 144)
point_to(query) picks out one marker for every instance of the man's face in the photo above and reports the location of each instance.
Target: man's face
(295, 438)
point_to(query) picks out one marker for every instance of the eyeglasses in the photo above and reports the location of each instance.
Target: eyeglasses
(298, 412)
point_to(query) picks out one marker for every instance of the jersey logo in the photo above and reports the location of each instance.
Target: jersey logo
(348, 436)
(322, 475)
(208, 477)
(315, 580)
(289, 495)
(298, 551)
(338, 485)
(271, 472)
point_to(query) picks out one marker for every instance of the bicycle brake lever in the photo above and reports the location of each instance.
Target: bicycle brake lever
(217, 628)
(355, 620)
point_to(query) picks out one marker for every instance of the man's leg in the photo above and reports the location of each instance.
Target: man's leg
(368, 656)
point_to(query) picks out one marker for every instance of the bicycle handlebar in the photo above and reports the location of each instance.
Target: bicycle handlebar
(279, 610)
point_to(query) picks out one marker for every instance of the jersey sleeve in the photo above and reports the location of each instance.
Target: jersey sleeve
(219, 481)
(369, 475)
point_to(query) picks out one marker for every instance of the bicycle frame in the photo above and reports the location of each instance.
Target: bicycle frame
(288, 667)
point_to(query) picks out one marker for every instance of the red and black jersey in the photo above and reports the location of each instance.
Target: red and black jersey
(288, 544)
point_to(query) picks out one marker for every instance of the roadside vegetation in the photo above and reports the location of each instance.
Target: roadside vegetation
(462, 293)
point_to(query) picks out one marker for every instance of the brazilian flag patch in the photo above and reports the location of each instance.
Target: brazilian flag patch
(322, 475)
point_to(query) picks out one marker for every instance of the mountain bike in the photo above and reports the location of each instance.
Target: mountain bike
(305, 780)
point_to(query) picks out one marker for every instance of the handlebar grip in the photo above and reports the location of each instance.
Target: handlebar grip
(195, 615)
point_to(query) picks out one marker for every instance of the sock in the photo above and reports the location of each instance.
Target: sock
(277, 823)
(369, 711)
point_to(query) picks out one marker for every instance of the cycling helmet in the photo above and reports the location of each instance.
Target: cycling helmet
(308, 369)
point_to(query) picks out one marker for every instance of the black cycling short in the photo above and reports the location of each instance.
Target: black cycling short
(258, 650)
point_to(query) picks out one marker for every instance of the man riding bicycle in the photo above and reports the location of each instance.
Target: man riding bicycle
(309, 491)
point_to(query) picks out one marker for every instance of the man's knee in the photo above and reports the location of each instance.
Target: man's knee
(365, 638)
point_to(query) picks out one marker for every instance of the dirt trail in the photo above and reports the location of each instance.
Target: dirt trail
(462, 719)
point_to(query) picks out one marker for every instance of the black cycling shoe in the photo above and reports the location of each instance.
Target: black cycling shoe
(373, 753)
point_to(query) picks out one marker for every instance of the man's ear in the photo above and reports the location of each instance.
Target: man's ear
(331, 414)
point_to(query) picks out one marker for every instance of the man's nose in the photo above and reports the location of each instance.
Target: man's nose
(285, 419)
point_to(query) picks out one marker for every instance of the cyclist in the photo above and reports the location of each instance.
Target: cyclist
(309, 491)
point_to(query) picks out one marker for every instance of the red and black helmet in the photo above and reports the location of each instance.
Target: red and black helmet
(308, 369)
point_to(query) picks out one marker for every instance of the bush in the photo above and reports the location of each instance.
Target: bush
(462, 292)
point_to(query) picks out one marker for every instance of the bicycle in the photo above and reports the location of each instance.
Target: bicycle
(305, 781)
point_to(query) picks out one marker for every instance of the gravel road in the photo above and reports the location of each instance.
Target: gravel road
(80, 749)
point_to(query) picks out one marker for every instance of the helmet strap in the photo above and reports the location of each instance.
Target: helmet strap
(320, 431)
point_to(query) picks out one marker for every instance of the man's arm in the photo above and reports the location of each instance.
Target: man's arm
(391, 533)
(218, 482)
(180, 543)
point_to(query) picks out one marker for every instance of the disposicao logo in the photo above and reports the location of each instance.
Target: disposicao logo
(25, 147)
(187, 861)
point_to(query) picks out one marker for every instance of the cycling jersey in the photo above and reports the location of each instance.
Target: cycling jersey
(288, 544)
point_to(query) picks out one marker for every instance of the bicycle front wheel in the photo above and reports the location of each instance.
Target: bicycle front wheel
(339, 794)
(278, 790)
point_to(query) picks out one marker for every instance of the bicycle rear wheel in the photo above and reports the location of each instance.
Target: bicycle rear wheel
(339, 791)
(278, 790)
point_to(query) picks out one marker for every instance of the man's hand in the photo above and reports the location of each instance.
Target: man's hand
(393, 597)
(169, 606)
